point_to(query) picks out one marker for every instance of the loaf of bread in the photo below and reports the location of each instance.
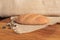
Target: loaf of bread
(34, 19)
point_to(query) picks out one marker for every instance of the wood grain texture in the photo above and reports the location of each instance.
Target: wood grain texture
(51, 32)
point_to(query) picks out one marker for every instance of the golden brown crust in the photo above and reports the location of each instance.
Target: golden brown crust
(31, 19)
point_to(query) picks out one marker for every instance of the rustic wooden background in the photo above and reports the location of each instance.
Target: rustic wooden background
(52, 32)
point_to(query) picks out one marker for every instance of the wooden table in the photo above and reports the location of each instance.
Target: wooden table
(51, 32)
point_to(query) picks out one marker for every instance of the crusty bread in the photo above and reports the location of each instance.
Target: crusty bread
(31, 19)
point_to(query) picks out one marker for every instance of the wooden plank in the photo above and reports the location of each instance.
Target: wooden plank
(51, 32)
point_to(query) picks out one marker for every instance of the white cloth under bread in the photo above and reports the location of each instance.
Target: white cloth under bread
(30, 28)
